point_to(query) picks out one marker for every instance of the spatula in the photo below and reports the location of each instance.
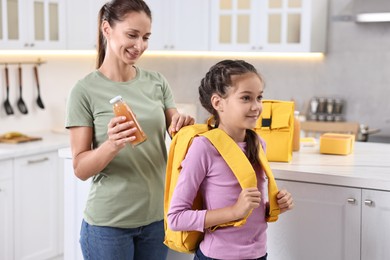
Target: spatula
(39, 100)
(7, 105)
(21, 105)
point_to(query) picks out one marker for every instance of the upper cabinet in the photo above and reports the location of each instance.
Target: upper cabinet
(269, 25)
(82, 23)
(37, 24)
(179, 25)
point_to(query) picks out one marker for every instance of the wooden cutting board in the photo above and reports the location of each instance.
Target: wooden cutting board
(20, 139)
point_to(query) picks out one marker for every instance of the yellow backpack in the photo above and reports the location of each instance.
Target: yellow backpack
(188, 241)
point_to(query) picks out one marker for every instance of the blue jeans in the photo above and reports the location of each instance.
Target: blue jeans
(106, 243)
(200, 256)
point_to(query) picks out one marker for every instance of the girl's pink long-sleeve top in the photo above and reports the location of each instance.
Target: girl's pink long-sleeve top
(205, 170)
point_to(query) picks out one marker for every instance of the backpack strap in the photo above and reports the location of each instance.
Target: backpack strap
(274, 210)
(240, 165)
(237, 161)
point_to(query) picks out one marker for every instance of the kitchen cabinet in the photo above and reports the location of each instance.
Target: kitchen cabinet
(37, 24)
(82, 23)
(375, 225)
(6, 210)
(37, 206)
(331, 222)
(75, 197)
(179, 25)
(269, 25)
(171, 28)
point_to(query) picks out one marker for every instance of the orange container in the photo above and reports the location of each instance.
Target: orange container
(122, 109)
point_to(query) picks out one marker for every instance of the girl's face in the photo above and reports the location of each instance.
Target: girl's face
(128, 39)
(242, 106)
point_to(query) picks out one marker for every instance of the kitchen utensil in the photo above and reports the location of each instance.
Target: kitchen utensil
(39, 100)
(21, 105)
(330, 106)
(7, 105)
(313, 105)
(321, 105)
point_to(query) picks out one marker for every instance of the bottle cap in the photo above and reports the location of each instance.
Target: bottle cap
(115, 99)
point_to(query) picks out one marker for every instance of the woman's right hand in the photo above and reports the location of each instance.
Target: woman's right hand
(120, 132)
(249, 199)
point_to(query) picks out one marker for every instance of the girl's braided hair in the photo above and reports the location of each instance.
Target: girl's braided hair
(217, 81)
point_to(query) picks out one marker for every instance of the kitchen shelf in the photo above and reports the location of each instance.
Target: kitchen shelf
(37, 62)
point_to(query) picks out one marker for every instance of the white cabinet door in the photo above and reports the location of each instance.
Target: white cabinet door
(325, 224)
(375, 225)
(82, 23)
(36, 206)
(10, 34)
(269, 25)
(181, 25)
(33, 24)
(6, 210)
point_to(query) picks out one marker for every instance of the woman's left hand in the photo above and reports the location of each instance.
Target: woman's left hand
(178, 121)
(285, 200)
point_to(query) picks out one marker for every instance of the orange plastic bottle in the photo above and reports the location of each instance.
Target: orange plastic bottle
(296, 132)
(122, 109)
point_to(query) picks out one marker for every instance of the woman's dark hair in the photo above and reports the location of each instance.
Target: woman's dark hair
(217, 81)
(113, 12)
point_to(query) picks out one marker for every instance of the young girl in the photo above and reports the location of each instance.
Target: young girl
(231, 91)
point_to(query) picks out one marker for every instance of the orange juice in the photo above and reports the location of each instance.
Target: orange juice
(122, 109)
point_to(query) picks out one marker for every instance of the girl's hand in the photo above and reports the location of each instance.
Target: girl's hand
(285, 200)
(120, 132)
(178, 121)
(249, 199)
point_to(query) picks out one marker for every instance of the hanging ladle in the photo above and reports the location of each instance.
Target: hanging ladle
(7, 105)
(39, 100)
(21, 105)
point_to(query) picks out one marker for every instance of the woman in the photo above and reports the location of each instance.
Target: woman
(123, 218)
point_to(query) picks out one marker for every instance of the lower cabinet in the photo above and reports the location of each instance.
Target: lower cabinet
(375, 225)
(6, 210)
(37, 206)
(331, 222)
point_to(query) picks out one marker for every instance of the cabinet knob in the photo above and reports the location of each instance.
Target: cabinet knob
(369, 202)
(351, 201)
(1, 190)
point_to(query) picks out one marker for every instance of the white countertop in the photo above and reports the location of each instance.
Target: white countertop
(367, 167)
(51, 141)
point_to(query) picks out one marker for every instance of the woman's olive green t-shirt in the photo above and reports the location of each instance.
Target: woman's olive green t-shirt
(128, 192)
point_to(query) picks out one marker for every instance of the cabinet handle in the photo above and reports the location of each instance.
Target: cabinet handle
(369, 202)
(37, 160)
(351, 201)
(1, 190)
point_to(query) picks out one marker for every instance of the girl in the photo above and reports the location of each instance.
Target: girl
(231, 91)
(123, 217)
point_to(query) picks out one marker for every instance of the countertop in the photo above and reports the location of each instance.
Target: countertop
(51, 141)
(367, 167)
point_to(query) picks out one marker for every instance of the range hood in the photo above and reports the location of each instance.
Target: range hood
(372, 11)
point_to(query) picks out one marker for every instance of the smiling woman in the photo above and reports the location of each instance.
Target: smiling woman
(126, 196)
